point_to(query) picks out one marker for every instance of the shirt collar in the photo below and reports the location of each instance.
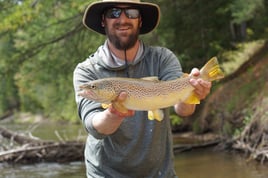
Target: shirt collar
(114, 62)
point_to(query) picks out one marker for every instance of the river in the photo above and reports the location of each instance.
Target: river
(198, 163)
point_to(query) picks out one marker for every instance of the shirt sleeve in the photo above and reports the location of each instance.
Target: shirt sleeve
(169, 67)
(86, 108)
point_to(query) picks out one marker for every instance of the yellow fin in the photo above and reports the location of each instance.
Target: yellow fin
(105, 106)
(120, 107)
(192, 99)
(117, 105)
(156, 115)
(211, 70)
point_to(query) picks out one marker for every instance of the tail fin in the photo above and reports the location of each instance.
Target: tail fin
(211, 70)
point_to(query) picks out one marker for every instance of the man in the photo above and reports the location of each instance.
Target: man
(124, 145)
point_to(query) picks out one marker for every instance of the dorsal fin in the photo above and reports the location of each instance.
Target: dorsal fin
(184, 75)
(151, 78)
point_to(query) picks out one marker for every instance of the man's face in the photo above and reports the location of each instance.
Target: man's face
(122, 30)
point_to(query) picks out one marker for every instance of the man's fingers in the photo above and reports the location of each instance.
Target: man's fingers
(122, 96)
(202, 88)
(195, 72)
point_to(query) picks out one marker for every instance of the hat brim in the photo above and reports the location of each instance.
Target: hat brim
(150, 14)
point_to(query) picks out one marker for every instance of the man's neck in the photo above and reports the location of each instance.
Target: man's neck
(130, 54)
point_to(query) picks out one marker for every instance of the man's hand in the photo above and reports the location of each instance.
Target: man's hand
(109, 120)
(202, 87)
(118, 108)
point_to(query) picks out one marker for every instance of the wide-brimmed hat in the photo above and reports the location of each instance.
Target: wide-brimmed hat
(150, 14)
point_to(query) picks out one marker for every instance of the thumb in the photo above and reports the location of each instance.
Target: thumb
(195, 72)
(122, 96)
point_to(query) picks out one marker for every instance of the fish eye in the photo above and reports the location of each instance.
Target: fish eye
(93, 86)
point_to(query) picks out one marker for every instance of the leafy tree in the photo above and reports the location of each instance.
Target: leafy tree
(245, 17)
(49, 43)
(199, 29)
(41, 42)
(8, 91)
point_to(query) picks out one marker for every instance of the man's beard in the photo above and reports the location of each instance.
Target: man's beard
(123, 45)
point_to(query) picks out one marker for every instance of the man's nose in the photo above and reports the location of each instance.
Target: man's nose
(123, 16)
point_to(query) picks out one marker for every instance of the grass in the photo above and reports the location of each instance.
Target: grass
(237, 57)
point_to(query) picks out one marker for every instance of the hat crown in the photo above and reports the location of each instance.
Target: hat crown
(135, 1)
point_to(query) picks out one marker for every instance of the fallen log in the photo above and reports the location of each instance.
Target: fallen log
(194, 141)
(19, 138)
(32, 150)
(6, 115)
(45, 152)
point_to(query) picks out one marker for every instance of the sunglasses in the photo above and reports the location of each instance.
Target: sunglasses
(115, 12)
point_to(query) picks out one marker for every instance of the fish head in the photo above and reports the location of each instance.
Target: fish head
(99, 91)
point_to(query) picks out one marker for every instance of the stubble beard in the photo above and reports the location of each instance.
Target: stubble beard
(123, 44)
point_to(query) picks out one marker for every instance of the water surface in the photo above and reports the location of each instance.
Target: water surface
(208, 163)
(198, 163)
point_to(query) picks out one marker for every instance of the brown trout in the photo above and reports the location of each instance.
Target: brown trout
(149, 94)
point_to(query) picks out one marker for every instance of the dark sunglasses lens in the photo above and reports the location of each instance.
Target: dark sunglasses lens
(116, 12)
(132, 13)
(113, 13)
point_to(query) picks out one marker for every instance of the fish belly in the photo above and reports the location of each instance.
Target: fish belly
(157, 102)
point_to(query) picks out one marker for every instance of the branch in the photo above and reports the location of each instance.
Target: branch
(33, 51)
(20, 139)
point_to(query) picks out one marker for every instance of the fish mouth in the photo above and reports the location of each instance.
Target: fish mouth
(92, 96)
(88, 94)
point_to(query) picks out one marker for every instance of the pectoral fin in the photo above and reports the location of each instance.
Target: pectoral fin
(192, 99)
(120, 107)
(117, 105)
(105, 106)
(156, 115)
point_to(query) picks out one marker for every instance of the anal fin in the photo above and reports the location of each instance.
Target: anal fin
(105, 106)
(192, 99)
(156, 115)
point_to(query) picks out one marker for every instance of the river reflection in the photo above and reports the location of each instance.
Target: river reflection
(207, 163)
(199, 163)
(43, 170)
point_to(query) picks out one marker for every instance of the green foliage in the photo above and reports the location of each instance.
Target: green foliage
(244, 10)
(41, 42)
(175, 119)
(8, 90)
(227, 129)
(200, 29)
(246, 121)
(43, 55)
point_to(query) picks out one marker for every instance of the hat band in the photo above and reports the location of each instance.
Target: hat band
(123, 1)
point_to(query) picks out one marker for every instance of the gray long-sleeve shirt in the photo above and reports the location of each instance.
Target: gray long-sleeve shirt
(140, 147)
